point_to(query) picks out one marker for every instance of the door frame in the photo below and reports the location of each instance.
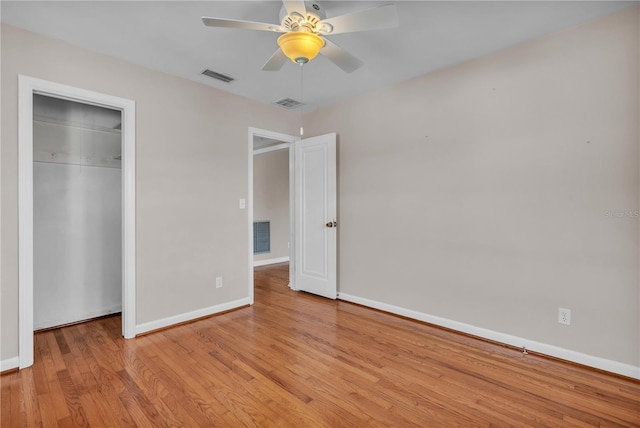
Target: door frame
(287, 144)
(27, 87)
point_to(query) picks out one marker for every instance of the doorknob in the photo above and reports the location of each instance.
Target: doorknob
(332, 224)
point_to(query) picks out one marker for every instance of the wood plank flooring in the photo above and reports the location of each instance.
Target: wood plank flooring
(296, 360)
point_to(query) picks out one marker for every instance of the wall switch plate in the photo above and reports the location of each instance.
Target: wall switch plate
(243, 203)
(564, 316)
(218, 282)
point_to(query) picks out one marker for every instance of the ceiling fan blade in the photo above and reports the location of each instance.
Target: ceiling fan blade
(343, 59)
(276, 61)
(377, 18)
(295, 6)
(245, 25)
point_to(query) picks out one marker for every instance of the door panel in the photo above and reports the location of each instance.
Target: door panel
(315, 215)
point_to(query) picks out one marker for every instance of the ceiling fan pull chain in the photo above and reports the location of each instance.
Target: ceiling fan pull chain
(301, 97)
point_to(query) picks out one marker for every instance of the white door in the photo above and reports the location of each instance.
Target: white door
(315, 215)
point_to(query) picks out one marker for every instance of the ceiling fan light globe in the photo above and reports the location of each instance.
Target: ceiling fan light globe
(300, 47)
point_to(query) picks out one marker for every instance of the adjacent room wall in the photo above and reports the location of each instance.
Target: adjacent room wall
(271, 200)
(502, 189)
(191, 170)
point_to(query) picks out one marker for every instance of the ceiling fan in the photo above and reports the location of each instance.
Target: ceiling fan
(305, 26)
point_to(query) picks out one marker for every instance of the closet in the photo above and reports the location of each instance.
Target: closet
(77, 211)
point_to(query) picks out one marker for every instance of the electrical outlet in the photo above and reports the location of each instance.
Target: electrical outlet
(564, 316)
(218, 282)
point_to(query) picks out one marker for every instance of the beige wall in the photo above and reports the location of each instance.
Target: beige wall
(271, 200)
(489, 184)
(191, 171)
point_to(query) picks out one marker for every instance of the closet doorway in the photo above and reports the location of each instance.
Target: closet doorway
(77, 211)
(54, 245)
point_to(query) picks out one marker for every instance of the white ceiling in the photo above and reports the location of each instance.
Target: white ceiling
(169, 36)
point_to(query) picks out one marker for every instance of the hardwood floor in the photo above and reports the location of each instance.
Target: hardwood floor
(302, 361)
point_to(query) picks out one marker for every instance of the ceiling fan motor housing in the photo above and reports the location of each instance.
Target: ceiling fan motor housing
(309, 23)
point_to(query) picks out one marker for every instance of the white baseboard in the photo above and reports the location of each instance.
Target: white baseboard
(189, 316)
(8, 364)
(270, 261)
(542, 348)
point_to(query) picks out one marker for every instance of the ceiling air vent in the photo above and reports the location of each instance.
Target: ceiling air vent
(288, 103)
(218, 76)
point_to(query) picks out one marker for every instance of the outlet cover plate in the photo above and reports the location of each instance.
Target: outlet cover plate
(564, 316)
